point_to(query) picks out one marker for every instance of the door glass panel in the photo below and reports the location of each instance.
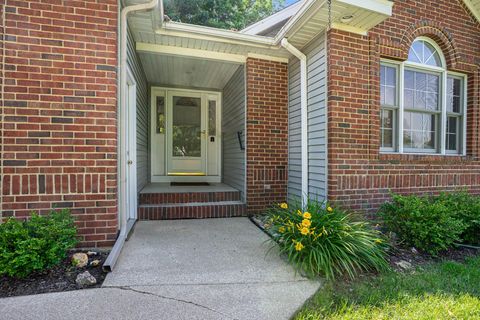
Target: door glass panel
(186, 127)
(160, 114)
(212, 118)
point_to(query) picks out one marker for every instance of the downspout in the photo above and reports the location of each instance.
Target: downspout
(122, 172)
(303, 114)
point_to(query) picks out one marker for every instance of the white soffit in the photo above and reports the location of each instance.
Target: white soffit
(306, 25)
(474, 6)
(203, 38)
(178, 71)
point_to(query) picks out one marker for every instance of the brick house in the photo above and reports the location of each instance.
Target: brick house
(113, 112)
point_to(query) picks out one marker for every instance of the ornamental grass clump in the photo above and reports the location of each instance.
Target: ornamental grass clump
(321, 240)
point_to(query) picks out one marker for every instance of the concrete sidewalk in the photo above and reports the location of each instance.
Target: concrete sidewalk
(183, 269)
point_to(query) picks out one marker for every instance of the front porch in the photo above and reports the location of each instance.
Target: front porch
(207, 110)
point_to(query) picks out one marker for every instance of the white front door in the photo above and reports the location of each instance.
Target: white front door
(131, 148)
(186, 134)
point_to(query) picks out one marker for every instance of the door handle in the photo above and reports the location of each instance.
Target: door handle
(129, 162)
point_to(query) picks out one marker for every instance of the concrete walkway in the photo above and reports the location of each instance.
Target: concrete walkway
(183, 269)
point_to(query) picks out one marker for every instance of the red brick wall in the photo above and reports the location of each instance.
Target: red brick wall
(359, 176)
(59, 113)
(267, 133)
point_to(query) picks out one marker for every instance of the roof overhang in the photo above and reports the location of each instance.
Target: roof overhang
(271, 21)
(312, 18)
(474, 6)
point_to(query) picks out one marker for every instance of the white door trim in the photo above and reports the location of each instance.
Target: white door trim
(131, 149)
(158, 142)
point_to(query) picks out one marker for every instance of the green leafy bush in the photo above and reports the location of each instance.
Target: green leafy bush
(36, 244)
(466, 208)
(326, 241)
(427, 223)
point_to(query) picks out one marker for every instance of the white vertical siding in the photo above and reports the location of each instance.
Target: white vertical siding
(233, 122)
(317, 144)
(142, 113)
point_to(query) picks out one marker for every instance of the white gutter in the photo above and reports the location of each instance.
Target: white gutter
(303, 114)
(122, 134)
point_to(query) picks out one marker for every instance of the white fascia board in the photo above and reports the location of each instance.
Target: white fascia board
(188, 52)
(272, 20)
(298, 19)
(473, 6)
(215, 34)
(379, 6)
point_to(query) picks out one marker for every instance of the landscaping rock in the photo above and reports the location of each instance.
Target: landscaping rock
(405, 265)
(80, 260)
(95, 263)
(85, 279)
(414, 251)
(92, 253)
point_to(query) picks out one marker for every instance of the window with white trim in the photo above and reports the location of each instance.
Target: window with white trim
(422, 104)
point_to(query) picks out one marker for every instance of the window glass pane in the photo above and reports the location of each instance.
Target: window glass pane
(387, 128)
(452, 133)
(424, 53)
(388, 85)
(186, 127)
(419, 131)
(454, 89)
(212, 118)
(421, 90)
(160, 114)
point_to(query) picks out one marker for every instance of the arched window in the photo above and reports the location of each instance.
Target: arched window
(422, 104)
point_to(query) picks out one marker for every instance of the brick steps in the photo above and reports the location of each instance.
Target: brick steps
(191, 205)
(162, 198)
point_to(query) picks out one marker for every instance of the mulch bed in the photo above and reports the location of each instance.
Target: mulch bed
(60, 278)
(417, 259)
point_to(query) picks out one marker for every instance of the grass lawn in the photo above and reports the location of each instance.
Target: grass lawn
(443, 290)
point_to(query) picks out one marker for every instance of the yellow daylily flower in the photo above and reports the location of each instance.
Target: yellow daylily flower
(306, 223)
(284, 205)
(299, 246)
(329, 209)
(281, 229)
(304, 231)
(307, 215)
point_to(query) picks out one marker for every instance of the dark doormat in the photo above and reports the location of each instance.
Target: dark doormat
(187, 184)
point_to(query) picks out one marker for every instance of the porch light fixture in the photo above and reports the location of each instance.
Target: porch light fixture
(347, 18)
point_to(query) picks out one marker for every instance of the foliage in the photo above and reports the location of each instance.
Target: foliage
(36, 244)
(319, 239)
(433, 223)
(226, 14)
(445, 290)
(466, 208)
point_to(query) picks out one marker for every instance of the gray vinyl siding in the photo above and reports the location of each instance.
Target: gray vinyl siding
(317, 134)
(294, 131)
(142, 114)
(233, 121)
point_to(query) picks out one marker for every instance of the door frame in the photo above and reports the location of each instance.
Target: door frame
(158, 142)
(131, 149)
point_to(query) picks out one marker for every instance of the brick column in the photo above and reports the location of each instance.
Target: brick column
(267, 133)
(59, 117)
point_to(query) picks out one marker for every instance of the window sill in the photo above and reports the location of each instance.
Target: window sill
(422, 157)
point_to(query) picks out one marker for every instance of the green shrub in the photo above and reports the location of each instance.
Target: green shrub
(427, 223)
(326, 241)
(36, 244)
(466, 208)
